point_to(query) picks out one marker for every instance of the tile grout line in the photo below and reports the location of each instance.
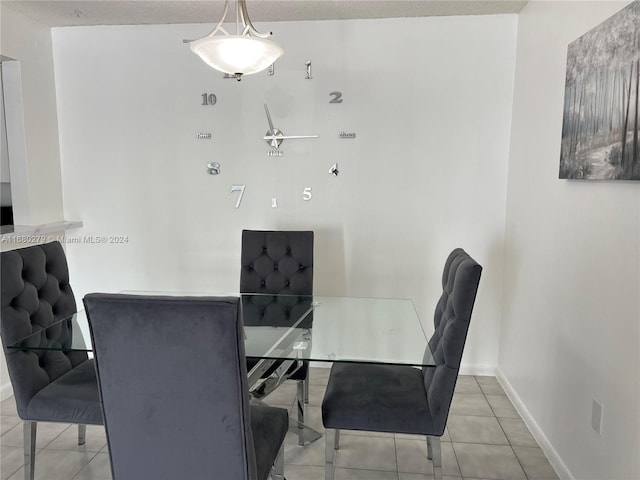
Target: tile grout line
(56, 437)
(19, 424)
(455, 455)
(395, 450)
(505, 435)
(84, 466)
(15, 471)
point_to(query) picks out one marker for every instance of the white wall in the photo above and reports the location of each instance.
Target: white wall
(426, 173)
(129, 110)
(36, 185)
(5, 176)
(570, 325)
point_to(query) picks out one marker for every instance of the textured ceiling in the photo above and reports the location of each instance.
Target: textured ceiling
(59, 13)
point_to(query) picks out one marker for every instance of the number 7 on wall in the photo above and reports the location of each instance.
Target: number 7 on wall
(238, 188)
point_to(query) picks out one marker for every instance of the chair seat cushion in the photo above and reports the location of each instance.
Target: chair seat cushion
(378, 398)
(269, 426)
(72, 398)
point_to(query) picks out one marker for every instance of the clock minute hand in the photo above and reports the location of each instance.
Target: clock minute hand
(288, 137)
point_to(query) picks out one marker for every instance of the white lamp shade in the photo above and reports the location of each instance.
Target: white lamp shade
(237, 54)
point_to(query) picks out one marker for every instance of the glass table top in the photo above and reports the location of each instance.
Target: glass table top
(314, 328)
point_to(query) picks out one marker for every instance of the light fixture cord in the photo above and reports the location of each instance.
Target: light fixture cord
(246, 21)
(242, 16)
(218, 27)
(237, 17)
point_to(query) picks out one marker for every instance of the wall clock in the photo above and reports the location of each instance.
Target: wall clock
(275, 137)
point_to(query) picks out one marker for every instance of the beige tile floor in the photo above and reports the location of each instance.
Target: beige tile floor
(485, 439)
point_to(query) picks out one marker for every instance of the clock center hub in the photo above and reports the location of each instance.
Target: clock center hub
(274, 142)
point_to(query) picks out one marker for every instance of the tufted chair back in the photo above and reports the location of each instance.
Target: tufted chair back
(277, 262)
(451, 320)
(36, 293)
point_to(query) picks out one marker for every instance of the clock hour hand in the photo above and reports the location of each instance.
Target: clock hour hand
(266, 110)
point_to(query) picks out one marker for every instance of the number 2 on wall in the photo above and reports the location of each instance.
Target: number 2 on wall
(337, 97)
(238, 188)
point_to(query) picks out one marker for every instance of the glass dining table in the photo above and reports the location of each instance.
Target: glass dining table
(286, 330)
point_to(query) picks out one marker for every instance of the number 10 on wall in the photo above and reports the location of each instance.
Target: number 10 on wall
(209, 99)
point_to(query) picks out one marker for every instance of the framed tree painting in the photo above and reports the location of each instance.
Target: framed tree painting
(600, 118)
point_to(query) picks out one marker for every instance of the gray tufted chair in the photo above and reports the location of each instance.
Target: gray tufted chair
(403, 399)
(49, 386)
(279, 262)
(173, 382)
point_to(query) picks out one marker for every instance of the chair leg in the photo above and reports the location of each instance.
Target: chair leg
(306, 389)
(437, 457)
(429, 449)
(329, 455)
(278, 465)
(82, 434)
(300, 403)
(29, 428)
(336, 442)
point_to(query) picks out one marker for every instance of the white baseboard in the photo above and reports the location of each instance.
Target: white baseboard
(480, 370)
(5, 391)
(320, 364)
(555, 460)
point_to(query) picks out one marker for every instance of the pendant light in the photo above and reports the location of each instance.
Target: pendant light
(244, 53)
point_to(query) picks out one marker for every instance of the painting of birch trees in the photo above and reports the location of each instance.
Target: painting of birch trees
(600, 118)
